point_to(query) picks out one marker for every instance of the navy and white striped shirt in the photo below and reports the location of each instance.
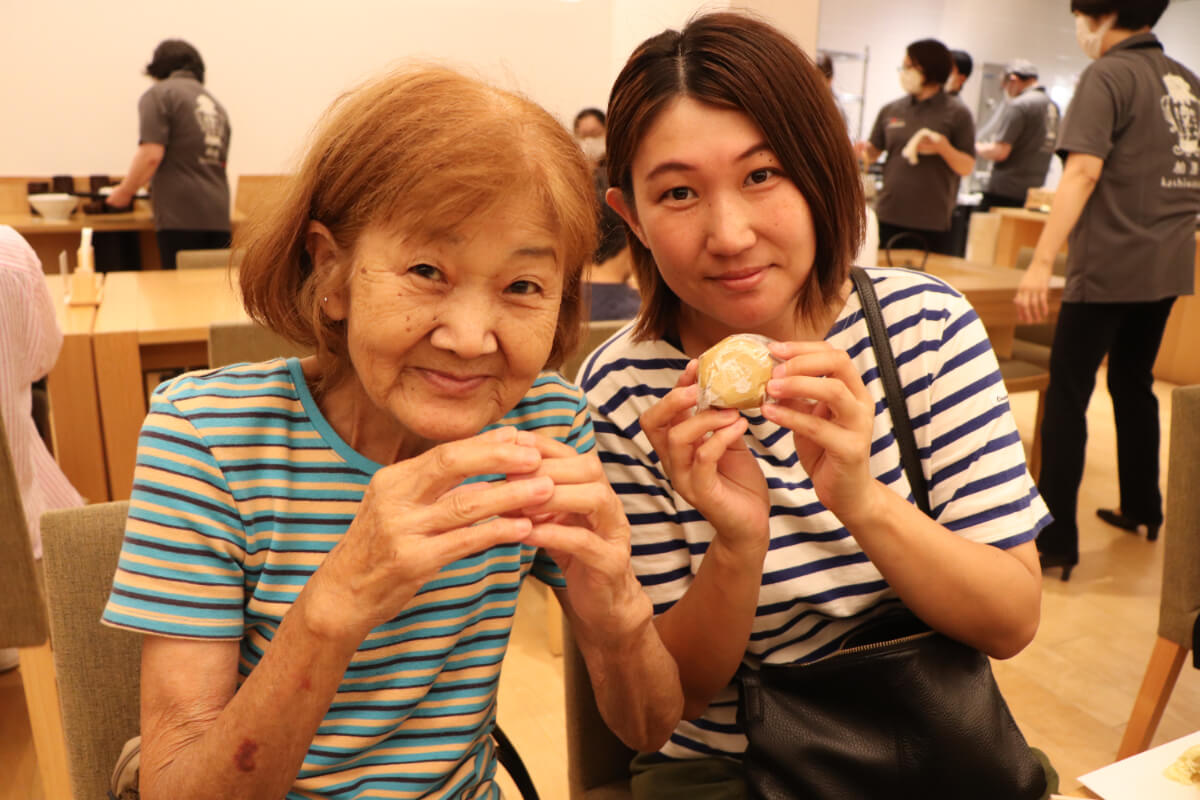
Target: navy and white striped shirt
(817, 583)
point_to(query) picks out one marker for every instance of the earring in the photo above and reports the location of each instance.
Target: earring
(325, 299)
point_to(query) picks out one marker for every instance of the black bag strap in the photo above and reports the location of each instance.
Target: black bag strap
(901, 424)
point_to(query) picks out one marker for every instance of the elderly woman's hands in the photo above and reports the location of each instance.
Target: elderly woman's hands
(707, 461)
(415, 518)
(821, 398)
(584, 529)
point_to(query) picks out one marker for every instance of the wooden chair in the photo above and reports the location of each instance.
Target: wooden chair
(1179, 607)
(1032, 342)
(597, 761)
(207, 259)
(598, 332)
(1023, 376)
(23, 625)
(254, 190)
(98, 668)
(235, 342)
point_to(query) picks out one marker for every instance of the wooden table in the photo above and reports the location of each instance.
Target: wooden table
(49, 238)
(151, 320)
(74, 407)
(989, 289)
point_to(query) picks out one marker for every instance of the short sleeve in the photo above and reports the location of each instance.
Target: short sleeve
(962, 133)
(181, 568)
(1008, 128)
(878, 134)
(154, 124)
(1091, 119)
(979, 484)
(660, 553)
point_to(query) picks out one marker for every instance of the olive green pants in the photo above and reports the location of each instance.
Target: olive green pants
(721, 778)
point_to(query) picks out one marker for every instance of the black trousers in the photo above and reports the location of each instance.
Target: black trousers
(171, 242)
(1129, 334)
(902, 238)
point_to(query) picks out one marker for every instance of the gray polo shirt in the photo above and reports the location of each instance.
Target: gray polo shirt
(921, 196)
(1140, 112)
(189, 190)
(1029, 124)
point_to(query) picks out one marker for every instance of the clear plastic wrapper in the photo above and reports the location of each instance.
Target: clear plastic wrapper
(734, 372)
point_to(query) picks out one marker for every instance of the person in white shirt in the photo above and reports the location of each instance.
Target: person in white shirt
(29, 343)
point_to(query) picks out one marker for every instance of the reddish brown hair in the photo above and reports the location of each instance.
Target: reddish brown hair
(735, 61)
(427, 150)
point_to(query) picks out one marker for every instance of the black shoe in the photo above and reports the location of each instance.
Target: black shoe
(1050, 560)
(1119, 520)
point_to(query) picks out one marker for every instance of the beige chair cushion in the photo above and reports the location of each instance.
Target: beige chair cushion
(98, 668)
(598, 332)
(207, 259)
(235, 342)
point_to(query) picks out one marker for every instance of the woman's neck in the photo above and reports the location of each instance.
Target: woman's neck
(928, 91)
(368, 430)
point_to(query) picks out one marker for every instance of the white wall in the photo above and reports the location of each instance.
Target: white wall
(73, 68)
(995, 31)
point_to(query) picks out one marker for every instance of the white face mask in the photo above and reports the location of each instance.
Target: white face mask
(911, 80)
(1090, 41)
(593, 147)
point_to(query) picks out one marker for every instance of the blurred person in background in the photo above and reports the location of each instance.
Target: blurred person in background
(961, 70)
(1019, 138)
(183, 146)
(929, 140)
(29, 343)
(1127, 203)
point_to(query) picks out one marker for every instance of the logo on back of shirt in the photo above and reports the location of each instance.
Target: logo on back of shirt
(213, 126)
(1182, 109)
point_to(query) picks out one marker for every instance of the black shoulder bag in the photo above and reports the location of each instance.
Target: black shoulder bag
(898, 711)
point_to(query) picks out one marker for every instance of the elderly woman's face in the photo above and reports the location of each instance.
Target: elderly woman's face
(447, 335)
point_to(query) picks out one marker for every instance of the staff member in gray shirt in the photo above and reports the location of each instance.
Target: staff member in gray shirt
(183, 146)
(1128, 199)
(919, 195)
(1020, 138)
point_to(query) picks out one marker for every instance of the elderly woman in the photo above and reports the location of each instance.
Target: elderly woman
(769, 538)
(324, 554)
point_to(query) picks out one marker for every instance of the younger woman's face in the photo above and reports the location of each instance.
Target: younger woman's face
(731, 234)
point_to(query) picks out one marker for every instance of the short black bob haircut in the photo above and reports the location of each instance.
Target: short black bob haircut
(1132, 15)
(963, 63)
(589, 112)
(173, 54)
(933, 59)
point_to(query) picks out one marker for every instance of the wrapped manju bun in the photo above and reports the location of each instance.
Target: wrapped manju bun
(734, 372)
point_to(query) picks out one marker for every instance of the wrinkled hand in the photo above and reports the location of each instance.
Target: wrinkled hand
(416, 518)
(716, 473)
(1032, 298)
(821, 398)
(583, 527)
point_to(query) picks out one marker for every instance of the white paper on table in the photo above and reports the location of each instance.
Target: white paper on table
(1141, 777)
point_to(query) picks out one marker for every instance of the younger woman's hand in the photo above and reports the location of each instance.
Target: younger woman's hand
(704, 454)
(821, 398)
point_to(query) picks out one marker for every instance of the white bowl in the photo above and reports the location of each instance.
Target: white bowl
(54, 207)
